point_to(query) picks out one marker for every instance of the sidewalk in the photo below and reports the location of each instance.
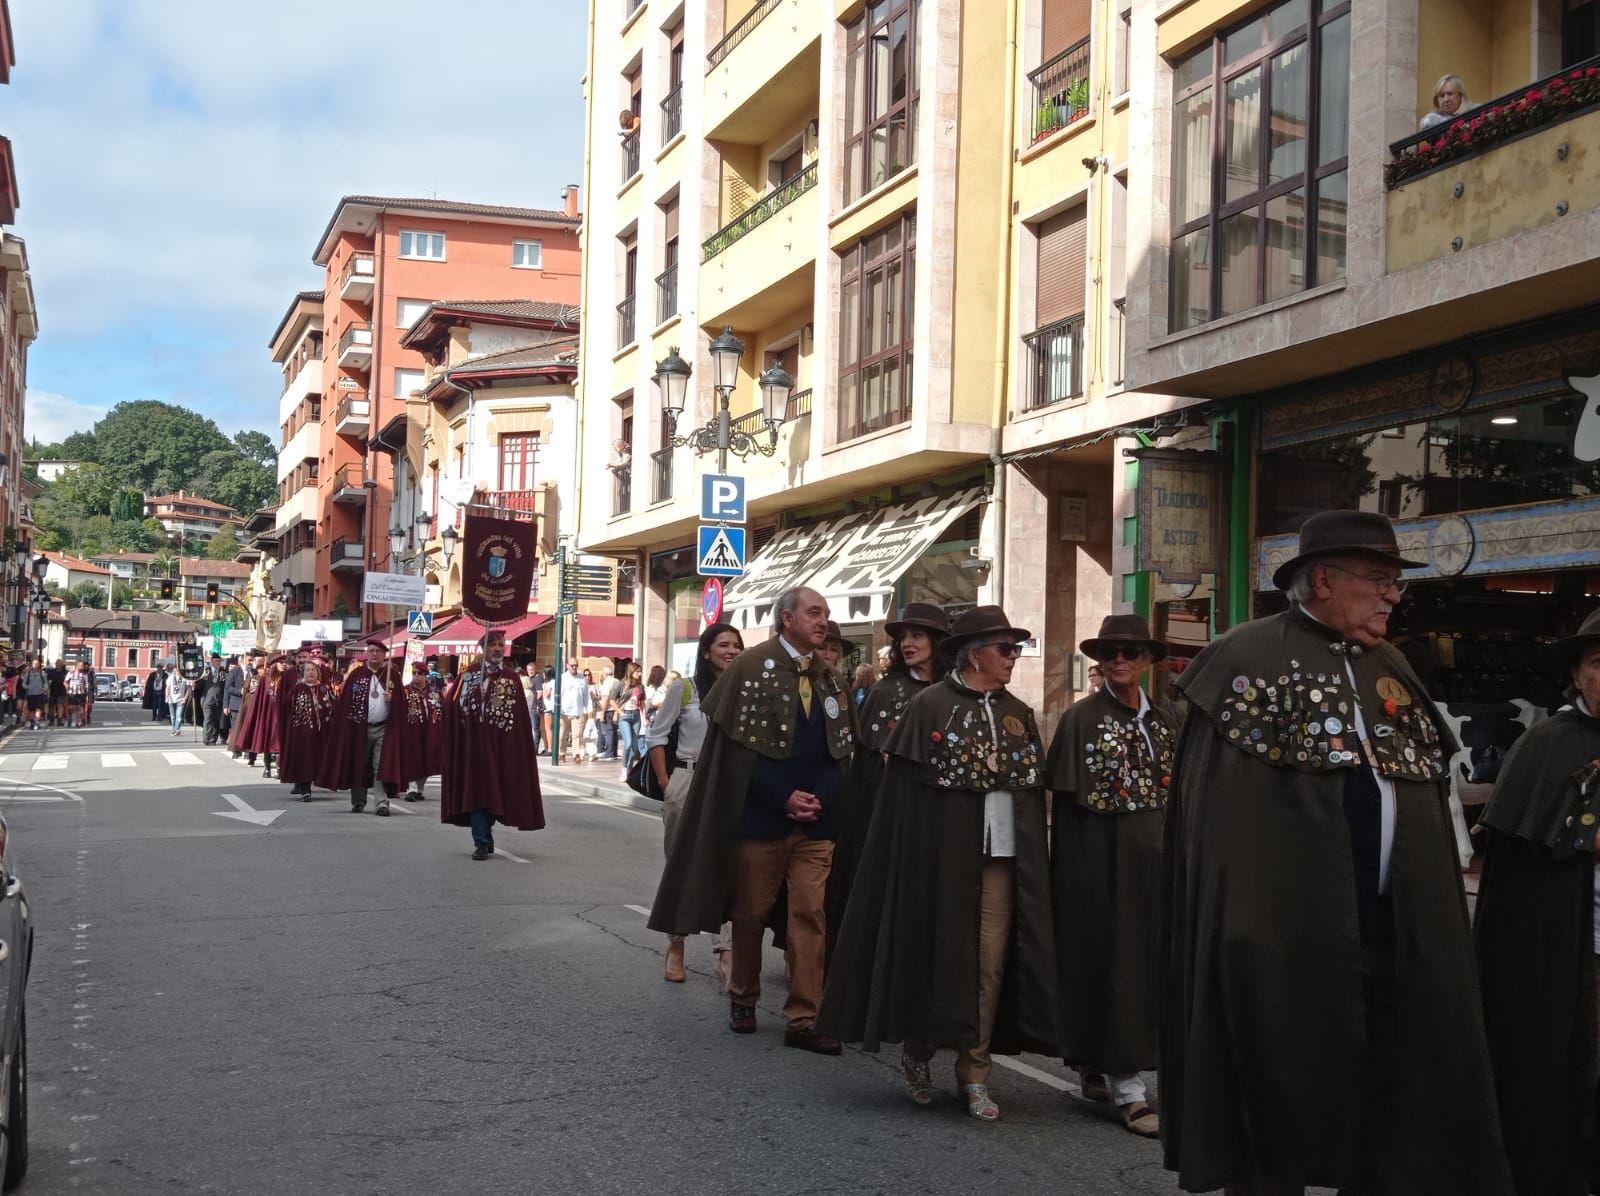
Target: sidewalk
(595, 780)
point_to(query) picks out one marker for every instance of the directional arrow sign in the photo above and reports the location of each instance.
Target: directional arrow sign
(242, 812)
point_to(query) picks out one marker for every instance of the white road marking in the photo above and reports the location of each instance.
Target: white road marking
(115, 760)
(48, 762)
(1033, 1073)
(181, 758)
(243, 812)
(515, 859)
(614, 805)
(396, 808)
(638, 909)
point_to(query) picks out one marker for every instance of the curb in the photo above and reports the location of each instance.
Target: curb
(611, 791)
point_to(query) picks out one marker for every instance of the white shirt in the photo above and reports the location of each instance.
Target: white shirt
(680, 706)
(377, 704)
(999, 808)
(574, 695)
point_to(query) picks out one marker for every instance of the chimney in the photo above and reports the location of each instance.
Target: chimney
(570, 194)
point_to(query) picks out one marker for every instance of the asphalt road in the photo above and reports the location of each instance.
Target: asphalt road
(345, 1004)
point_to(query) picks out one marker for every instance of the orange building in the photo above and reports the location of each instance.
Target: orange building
(386, 262)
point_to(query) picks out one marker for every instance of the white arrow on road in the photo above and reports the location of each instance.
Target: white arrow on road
(243, 813)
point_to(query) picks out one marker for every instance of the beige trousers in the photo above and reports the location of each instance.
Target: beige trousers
(763, 867)
(671, 811)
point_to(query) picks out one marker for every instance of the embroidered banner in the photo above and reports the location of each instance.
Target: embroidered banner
(498, 561)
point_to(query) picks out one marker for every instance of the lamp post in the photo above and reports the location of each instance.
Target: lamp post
(719, 433)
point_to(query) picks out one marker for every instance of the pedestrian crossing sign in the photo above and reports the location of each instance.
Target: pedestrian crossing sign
(720, 551)
(419, 624)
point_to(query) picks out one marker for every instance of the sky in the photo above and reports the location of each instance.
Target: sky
(177, 159)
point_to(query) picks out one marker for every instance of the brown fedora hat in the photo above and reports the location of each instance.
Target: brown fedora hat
(1571, 648)
(834, 633)
(1121, 631)
(1338, 533)
(923, 616)
(979, 622)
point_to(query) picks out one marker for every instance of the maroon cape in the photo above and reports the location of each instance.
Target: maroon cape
(237, 734)
(265, 731)
(344, 754)
(303, 713)
(489, 761)
(412, 749)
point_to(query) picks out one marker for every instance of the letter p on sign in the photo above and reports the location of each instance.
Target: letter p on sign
(721, 498)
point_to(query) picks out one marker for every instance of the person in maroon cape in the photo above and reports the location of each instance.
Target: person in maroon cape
(354, 744)
(304, 711)
(491, 773)
(411, 749)
(264, 733)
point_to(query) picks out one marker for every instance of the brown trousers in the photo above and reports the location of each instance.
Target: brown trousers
(763, 866)
(996, 913)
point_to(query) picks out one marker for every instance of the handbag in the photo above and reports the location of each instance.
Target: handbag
(642, 777)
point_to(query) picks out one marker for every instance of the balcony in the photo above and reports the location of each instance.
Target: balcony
(346, 555)
(303, 446)
(513, 500)
(625, 322)
(667, 294)
(1061, 90)
(353, 415)
(357, 278)
(759, 265)
(672, 114)
(661, 475)
(1054, 370)
(763, 76)
(355, 347)
(349, 486)
(630, 155)
(621, 489)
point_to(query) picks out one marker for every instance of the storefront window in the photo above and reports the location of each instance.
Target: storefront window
(937, 576)
(1500, 457)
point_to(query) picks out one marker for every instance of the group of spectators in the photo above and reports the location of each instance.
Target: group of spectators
(212, 700)
(603, 720)
(39, 695)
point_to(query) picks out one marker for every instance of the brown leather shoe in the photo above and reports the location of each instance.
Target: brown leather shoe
(741, 1018)
(674, 972)
(809, 1040)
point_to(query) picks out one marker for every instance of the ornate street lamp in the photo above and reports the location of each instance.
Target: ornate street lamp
(447, 544)
(721, 434)
(397, 540)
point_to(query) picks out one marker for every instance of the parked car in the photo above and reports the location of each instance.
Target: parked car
(16, 957)
(105, 686)
(131, 689)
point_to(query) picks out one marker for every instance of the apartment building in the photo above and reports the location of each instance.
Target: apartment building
(386, 261)
(297, 350)
(189, 516)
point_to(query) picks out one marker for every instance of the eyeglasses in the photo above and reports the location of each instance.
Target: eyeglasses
(1382, 583)
(1007, 648)
(1132, 655)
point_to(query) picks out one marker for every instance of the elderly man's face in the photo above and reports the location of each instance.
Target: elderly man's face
(1586, 678)
(1355, 596)
(806, 627)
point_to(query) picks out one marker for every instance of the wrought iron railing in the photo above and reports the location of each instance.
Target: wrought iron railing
(759, 212)
(352, 407)
(672, 114)
(754, 421)
(625, 321)
(661, 475)
(630, 155)
(739, 32)
(512, 500)
(348, 477)
(344, 550)
(358, 336)
(1055, 371)
(667, 294)
(1060, 90)
(621, 489)
(358, 265)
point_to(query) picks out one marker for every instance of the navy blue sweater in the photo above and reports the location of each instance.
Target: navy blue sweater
(809, 767)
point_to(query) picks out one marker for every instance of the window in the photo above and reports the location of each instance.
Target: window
(518, 452)
(429, 246)
(875, 322)
(1055, 347)
(1119, 63)
(881, 94)
(111, 656)
(527, 255)
(408, 311)
(406, 381)
(1261, 123)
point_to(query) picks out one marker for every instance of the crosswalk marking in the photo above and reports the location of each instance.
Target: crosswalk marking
(115, 760)
(181, 757)
(47, 762)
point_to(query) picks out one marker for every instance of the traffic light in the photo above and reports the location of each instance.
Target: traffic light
(166, 591)
(211, 591)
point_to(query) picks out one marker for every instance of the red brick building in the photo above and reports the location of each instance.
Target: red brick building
(115, 647)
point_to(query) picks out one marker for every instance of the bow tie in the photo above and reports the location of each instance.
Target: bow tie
(1340, 648)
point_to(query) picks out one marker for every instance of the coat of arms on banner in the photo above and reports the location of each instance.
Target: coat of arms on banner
(497, 574)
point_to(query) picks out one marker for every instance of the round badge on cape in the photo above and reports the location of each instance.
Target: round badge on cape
(1013, 724)
(1391, 690)
(831, 705)
(768, 663)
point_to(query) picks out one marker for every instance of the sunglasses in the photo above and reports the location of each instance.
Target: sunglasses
(1132, 655)
(1007, 648)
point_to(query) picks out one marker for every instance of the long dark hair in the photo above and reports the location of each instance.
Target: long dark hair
(897, 662)
(704, 675)
(658, 674)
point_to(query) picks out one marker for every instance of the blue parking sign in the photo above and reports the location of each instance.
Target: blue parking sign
(721, 498)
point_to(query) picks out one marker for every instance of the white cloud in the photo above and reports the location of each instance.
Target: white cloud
(50, 417)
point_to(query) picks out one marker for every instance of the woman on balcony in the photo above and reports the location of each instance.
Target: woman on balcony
(1449, 101)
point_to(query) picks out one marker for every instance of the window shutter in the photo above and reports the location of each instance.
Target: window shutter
(1066, 23)
(1062, 264)
(669, 217)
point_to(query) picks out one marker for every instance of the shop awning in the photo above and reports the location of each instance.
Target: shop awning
(462, 634)
(853, 560)
(605, 635)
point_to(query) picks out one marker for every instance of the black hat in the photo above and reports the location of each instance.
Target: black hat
(979, 622)
(1572, 648)
(1336, 533)
(1119, 631)
(834, 633)
(923, 616)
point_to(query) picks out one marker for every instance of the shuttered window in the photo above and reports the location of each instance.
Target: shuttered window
(1062, 265)
(1066, 23)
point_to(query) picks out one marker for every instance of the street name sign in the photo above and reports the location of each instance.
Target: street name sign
(721, 498)
(393, 589)
(720, 551)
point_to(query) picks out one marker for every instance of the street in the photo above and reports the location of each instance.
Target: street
(335, 1003)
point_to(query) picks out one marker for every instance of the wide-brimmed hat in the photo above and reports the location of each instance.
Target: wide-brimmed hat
(1571, 648)
(978, 622)
(923, 616)
(1121, 631)
(834, 633)
(1338, 533)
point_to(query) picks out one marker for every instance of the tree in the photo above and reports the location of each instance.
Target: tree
(223, 545)
(121, 595)
(146, 441)
(228, 476)
(257, 446)
(89, 486)
(126, 504)
(88, 593)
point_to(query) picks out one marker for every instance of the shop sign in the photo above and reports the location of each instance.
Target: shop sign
(1180, 514)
